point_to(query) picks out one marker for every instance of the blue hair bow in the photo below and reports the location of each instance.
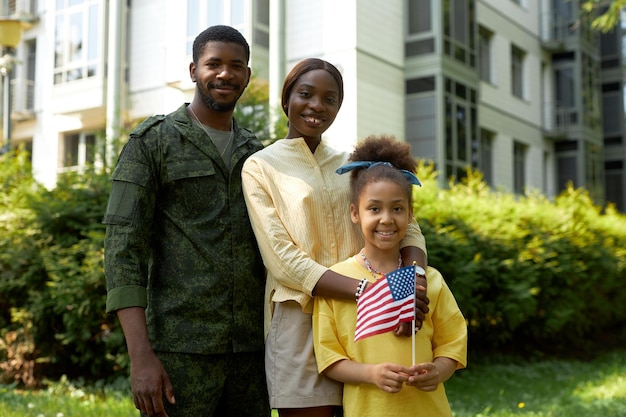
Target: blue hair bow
(369, 164)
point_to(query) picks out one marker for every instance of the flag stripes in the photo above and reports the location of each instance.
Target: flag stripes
(386, 303)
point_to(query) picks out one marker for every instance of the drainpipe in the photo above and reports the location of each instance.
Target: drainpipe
(116, 27)
(277, 59)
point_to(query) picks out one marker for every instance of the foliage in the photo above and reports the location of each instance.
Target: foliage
(607, 13)
(253, 112)
(52, 287)
(532, 276)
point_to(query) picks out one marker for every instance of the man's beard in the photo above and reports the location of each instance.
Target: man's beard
(210, 102)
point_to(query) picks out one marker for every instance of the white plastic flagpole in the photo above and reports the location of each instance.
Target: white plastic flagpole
(413, 322)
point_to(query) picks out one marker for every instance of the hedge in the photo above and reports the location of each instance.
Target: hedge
(532, 276)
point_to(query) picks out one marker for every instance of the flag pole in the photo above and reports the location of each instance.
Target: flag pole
(413, 321)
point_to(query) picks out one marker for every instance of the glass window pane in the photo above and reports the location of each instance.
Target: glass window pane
(263, 12)
(70, 150)
(193, 14)
(519, 170)
(58, 44)
(566, 172)
(215, 13)
(76, 37)
(461, 132)
(419, 16)
(237, 12)
(93, 29)
(90, 149)
(484, 48)
(449, 133)
(460, 21)
(565, 87)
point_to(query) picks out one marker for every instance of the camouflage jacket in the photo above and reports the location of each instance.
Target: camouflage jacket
(179, 241)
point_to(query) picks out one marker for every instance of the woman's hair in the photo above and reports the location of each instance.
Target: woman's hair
(382, 148)
(304, 66)
(219, 33)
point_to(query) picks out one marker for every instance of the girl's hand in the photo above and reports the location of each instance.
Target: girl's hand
(424, 376)
(389, 377)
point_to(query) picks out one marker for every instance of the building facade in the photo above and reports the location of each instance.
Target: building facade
(522, 90)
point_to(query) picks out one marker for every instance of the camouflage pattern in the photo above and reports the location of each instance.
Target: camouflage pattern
(179, 240)
(236, 377)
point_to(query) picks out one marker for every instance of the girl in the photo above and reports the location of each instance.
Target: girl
(298, 210)
(375, 366)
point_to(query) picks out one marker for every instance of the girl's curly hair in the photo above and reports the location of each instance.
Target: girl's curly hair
(381, 148)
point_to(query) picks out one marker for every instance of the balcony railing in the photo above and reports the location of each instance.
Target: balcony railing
(23, 98)
(23, 8)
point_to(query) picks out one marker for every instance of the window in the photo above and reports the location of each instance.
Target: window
(517, 71)
(591, 100)
(459, 20)
(421, 117)
(31, 62)
(420, 39)
(23, 86)
(564, 19)
(77, 46)
(419, 14)
(593, 157)
(204, 13)
(484, 49)
(77, 150)
(22, 7)
(612, 109)
(519, 167)
(615, 184)
(262, 23)
(609, 49)
(566, 152)
(566, 110)
(566, 89)
(482, 154)
(461, 128)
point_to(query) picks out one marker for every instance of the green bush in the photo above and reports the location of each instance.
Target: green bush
(52, 287)
(532, 276)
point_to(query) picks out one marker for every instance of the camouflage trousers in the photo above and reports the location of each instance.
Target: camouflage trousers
(216, 385)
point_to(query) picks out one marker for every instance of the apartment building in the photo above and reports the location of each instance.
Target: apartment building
(520, 89)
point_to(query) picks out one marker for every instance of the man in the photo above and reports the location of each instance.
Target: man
(183, 271)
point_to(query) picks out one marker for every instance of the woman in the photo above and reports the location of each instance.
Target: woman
(298, 210)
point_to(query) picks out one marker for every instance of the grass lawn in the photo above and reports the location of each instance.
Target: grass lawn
(545, 389)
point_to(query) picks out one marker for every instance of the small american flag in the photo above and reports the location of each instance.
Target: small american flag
(386, 303)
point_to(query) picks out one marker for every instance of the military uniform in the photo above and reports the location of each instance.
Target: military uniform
(180, 244)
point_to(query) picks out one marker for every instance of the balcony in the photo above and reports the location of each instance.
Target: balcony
(27, 10)
(23, 99)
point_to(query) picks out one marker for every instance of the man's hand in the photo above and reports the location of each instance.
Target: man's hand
(149, 381)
